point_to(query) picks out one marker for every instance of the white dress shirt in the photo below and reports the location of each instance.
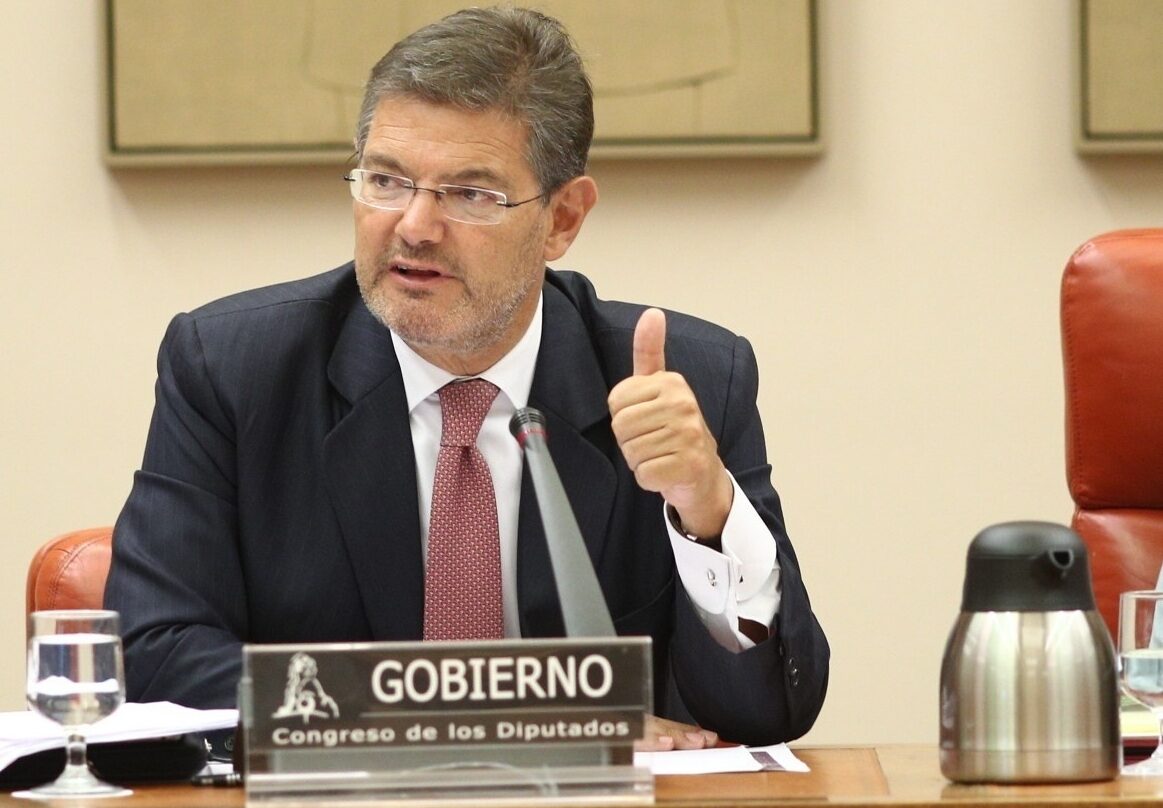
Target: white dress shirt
(742, 581)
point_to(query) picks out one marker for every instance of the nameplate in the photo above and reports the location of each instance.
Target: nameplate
(423, 706)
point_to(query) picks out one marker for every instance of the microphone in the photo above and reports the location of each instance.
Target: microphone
(582, 604)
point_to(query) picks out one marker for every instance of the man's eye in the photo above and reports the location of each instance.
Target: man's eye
(473, 196)
(384, 182)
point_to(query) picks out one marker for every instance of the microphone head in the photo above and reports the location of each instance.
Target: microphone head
(525, 420)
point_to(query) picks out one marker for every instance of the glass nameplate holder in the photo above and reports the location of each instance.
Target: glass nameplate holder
(542, 721)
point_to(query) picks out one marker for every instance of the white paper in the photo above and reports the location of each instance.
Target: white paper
(24, 732)
(727, 759)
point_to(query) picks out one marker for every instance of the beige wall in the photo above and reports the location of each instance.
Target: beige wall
(901, 292)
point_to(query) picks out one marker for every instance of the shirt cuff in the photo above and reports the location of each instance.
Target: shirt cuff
(741, 581)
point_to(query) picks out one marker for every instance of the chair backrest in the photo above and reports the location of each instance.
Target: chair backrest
(69, 571)
(1112, 346)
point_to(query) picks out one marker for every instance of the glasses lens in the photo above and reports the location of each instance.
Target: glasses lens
(381, 190)
(472, 205)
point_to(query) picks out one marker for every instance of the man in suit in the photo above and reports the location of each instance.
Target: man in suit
(293, 460)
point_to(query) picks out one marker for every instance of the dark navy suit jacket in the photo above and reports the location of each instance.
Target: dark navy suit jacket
(277, 501)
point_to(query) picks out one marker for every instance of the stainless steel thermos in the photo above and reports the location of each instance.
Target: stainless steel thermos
(1029, 686)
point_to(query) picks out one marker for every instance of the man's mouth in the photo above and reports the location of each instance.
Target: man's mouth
(415, 272)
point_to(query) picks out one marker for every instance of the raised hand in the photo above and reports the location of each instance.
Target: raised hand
(660, 429)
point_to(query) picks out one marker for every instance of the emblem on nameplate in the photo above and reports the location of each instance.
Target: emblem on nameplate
(304, 695)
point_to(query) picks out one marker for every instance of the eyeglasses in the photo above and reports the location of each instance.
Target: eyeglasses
(460, 203)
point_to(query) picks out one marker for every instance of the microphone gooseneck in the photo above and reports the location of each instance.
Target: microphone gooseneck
(583, 607)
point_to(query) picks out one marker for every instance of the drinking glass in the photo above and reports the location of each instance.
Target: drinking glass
(75, 678)
(1141, 663)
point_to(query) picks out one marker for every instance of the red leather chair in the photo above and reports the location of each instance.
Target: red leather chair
(69, 571)
(1112, 346)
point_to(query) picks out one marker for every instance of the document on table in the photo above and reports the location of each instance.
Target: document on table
(24, 732)
(775, 758)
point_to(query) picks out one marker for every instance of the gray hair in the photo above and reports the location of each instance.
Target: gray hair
(516, 61)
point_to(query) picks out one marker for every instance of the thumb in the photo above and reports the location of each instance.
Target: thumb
(649, 337)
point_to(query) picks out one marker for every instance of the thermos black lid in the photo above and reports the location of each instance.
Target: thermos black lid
(1027, 567)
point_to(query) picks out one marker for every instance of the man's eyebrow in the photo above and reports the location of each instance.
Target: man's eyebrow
(476, 176)
(382, 163)
(482, 177)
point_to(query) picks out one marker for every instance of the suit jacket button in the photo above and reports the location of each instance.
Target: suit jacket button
(793, 672)
(711, 579)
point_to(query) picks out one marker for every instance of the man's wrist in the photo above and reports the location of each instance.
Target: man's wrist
(704, 518)
(715, 541)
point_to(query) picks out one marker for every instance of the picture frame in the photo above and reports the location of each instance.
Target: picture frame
(218, 82)
(1119, 76)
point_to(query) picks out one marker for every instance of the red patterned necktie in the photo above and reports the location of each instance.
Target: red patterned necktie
(462, 581)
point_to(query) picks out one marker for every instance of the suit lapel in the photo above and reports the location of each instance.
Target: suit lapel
(569, 389)
(371, 472)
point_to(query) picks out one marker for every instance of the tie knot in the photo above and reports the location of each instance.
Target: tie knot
(463, 406)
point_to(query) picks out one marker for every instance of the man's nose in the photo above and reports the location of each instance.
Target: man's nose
(422, 219)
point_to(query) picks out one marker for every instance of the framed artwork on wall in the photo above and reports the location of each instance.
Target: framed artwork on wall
(280, 81)
(1120, 76)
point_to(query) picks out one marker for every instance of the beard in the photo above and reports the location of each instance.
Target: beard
(475, 320)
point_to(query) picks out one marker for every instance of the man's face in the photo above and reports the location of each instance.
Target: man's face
(461, 295)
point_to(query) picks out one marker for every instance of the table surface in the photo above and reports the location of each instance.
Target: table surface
(844, 777)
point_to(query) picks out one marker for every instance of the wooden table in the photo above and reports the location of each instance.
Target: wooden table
(844, 777)
(841, 777)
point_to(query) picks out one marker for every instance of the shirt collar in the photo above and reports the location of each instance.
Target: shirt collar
(512, 373)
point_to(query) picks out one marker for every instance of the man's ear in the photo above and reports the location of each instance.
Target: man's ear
(568, 209)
